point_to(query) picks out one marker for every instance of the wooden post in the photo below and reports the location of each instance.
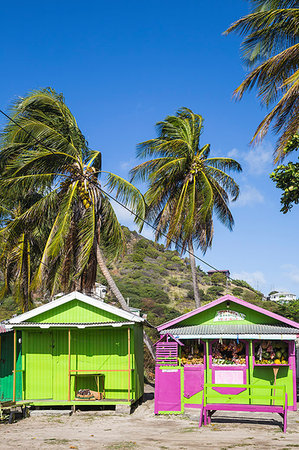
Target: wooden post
(14, 364)
(129, 364)
(69, 342)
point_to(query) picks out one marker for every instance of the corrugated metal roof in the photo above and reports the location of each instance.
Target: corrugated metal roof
(231, 329)
(66, 325)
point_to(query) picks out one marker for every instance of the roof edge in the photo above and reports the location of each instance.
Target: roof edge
(221, 300)
(75, 295)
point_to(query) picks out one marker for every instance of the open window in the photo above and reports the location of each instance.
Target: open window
(228, 352)
(271, 353)
(192, 353)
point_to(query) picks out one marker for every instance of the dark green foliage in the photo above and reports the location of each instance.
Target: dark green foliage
(215, 291)
(218, 278)
(242, 283)
(286, 178)
(290, 310)
(237, 292)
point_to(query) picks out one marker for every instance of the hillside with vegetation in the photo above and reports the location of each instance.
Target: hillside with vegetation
(159, 282)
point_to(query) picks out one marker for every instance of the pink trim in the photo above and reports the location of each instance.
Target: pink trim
(168, 335)
(292, 362)
(235, 300)
(236, 367)
(192, 405)
(271, 365)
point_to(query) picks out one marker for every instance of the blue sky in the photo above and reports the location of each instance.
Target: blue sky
(122, 67)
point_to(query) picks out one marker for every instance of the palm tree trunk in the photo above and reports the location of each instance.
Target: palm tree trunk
(119, 296)
(194, 274)
(25, 274)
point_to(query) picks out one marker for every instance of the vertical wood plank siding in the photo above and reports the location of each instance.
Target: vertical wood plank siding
(45, 360)
(6, 367)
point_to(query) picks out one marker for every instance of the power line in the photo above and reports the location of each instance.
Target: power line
(116, 200)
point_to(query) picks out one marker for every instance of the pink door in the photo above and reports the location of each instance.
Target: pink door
(193, 380)
(168, 389)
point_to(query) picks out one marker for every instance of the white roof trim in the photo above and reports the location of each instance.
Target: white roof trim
(274, 337)
(76, 296)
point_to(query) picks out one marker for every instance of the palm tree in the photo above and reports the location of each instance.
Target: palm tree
(271, 52)
(185, 185)
(43, 150)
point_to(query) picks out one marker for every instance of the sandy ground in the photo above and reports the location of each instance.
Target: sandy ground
(144, 430)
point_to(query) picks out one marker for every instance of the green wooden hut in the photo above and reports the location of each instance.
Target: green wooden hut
(73, 344)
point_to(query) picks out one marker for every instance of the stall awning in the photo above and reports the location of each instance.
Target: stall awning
(227, 331)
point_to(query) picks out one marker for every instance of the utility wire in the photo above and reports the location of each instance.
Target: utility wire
(116, 200)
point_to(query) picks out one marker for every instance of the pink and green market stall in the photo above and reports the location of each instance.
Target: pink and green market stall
(227, 355)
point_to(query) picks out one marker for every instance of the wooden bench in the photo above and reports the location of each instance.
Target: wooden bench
(9, 408)
(277, 404)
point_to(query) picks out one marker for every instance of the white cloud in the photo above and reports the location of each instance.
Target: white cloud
(249, 196)
(255, 279)
(259, 159)
(234, 153)
(125, 165)
(291, 272)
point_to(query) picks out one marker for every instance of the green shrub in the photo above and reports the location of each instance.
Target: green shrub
(137, 257)
(215, 291)
(242, 283)
(237, 292)
(218, 278)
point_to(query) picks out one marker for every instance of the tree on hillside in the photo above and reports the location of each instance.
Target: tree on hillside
(271, 52)
(50, 155)
(185, 186)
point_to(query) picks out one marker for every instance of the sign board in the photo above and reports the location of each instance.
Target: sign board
(227, 315)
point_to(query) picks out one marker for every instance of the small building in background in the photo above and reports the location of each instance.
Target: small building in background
(225, 272)
(282, 297)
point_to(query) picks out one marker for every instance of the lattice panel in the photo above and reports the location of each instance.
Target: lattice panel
(167, 353)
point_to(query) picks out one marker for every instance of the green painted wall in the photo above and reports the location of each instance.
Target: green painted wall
(76, 311)
(6, 367)
(207, 317)
(139, 361)
(45, 360)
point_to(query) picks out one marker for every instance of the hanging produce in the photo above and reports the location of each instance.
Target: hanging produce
(267, 352)
(228, 352)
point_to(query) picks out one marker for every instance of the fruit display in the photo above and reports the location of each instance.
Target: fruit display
(192, 353)
(228, 353)
(267, 352)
